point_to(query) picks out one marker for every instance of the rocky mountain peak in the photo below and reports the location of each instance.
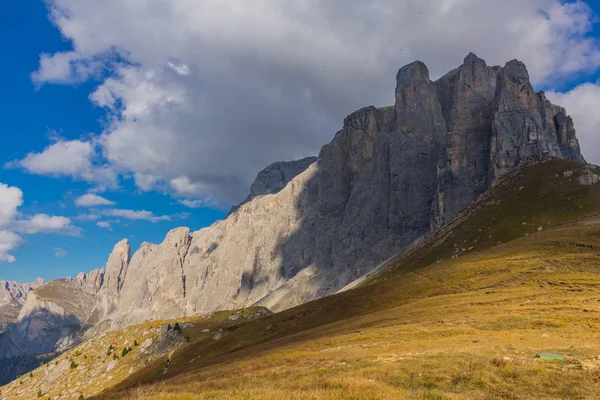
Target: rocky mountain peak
(274, 178)
(412, 74)
(116, 267)
(516, 71)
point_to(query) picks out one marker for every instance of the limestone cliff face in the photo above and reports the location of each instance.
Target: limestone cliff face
(390, 176)
(16, 293)
(495, 121)
(275, 177)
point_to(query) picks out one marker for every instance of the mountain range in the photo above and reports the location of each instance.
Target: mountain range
(390, 179)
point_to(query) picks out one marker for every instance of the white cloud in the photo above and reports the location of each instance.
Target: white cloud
(213, 91)
(72, 158)
(11, 198)
(193, 203)
(92, 200)
(136, 215)
(583, 103)
(65, 67)
(88, 217)
(8, 241)
(43, 223)
(105, 225)
(183, 186)
(58, 252)
(12, 223)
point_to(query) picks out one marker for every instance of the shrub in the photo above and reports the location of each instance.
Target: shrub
(177, 327)
(135, 343)
(31, 374)
(188, 338)
(39, 393)
(115, 356)
(124, 352)
(73, 365)
(169, 327)
(81, 397)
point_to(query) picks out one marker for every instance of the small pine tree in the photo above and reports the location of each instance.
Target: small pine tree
(177, 327)
(115, 356)
(169, 327)
(81, 397)
(124, 352)
(73, 365)
(135, 343)
(31, 374)
(39, 393)
(188, 338)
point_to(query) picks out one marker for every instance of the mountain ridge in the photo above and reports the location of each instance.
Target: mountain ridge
(391, 176)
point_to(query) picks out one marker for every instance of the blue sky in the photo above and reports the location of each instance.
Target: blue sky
(28, 117)
(172, 108)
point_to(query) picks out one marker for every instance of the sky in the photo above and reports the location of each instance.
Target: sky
(127, 119)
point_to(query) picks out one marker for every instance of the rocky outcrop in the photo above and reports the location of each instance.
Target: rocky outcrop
(389, 177)
(116, 268)
(13, 292)
(275, 177)
(494, 121)
(159, 286)
(12, 297)
(50, 320)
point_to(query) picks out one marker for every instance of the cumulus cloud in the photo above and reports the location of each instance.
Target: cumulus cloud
(92, 200)
(88, 217)
(43, 223)
(8, 242)
(65, 67)
(193, 203)
(11, 198)
(13, 223)
(104, 225)
(136, 215)
(72, 158)
(212, 91)
(583, 103)
(58, 252)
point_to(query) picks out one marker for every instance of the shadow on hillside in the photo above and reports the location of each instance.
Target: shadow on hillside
(34, 339)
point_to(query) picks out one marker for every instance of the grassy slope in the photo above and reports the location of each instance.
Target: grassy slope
(440, 323)
(96, 369)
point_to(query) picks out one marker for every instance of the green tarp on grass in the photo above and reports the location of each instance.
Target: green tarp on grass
(551, 356)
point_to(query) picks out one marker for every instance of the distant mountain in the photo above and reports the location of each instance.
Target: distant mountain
(391, 177)
(12, 298)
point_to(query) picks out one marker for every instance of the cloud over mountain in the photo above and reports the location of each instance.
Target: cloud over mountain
(201, 95)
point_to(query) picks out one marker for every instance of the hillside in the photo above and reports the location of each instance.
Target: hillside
(463, 315)
(108, 359)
